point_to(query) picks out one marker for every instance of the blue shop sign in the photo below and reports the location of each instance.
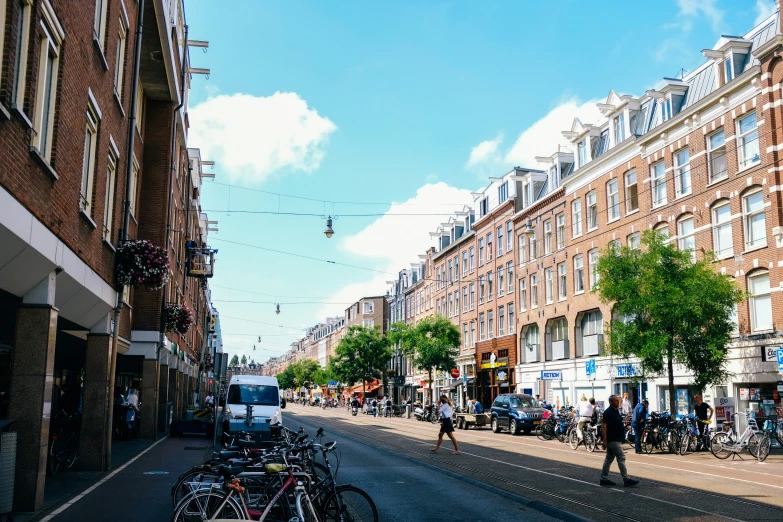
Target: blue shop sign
(551, 375)
(627, 370)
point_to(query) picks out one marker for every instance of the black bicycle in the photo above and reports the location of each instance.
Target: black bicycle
(63, 441)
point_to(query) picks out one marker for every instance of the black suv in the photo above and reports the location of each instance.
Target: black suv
(516, 412)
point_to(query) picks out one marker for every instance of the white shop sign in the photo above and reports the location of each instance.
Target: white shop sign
(551, 375)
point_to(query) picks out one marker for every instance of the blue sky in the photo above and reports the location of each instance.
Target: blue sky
(414, 103)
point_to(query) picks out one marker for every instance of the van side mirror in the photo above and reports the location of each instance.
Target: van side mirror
(282, 403)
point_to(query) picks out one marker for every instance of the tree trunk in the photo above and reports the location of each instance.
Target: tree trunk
(432, 396)
(672, 395)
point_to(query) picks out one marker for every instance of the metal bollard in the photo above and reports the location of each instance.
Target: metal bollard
(408, 409)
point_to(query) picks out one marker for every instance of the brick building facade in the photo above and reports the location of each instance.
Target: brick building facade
(87, 123)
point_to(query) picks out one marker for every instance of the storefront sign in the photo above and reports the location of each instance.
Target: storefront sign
(724, 409)
(455, 373)
(502, 376)
(551, 375)
(627, 370)
(590, 368)
(769, 353)
(499, 363)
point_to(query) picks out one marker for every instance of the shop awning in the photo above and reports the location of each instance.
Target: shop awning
(451, 387)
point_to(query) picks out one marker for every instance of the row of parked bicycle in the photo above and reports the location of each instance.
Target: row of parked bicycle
(666, 434)
(293, 479)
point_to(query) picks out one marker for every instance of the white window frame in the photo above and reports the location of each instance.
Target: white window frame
(89, 155)
(482, 327)
(534, 291)
(472, 296)
(547, 237)
(576, 218)
(682, 172)
(634, 240)
(533, 251)
(489, 285)
(51, 38)
(618, 123)
(592, 210)
(582, 152)
(368, 308)
(481, 251)
(489, 247)
(119, 67)
(758, 295)
(748, 216)
(549, 286)
(686, 241)
(630, 197)
(501, 320)
(464, 263)
(658, 181)
(133, 196)
(579, 274)
(562, 288)
(613, 200)
(510, 276)
(523, 294)
(501, 281)
(560, 231)
(509, 236)
(721, 222)
(522, 242)
(111, 182)
(592, 261)
(746, 138)
(500, 240)
(465, 299)
(19, 86)
(490, 323)
(99, 22)
(510, 309)
(716, 153)
(482, 289)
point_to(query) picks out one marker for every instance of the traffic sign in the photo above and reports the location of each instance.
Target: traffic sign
(590, 367)
(780, 360)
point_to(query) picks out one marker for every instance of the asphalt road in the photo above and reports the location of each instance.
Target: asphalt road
(694, 487)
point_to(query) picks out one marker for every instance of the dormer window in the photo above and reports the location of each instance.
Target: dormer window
(553, 179)
(728, 70)
(484, 207)
(582, 152)
(503, 193)
(618, 123)
(666, 109)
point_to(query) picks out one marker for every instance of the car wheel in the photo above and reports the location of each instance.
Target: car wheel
(495, 425)
(513, 427)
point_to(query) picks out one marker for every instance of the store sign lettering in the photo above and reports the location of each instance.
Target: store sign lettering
(551, 375)
(627, 370)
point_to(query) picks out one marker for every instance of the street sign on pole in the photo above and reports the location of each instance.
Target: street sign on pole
(590, 367)
(780, 360)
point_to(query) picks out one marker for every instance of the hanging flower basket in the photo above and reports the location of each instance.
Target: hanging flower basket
(142, 264)
(178, 318)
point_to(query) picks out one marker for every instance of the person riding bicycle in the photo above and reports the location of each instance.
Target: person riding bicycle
(355, 403)
(586, 410)
(703, 413)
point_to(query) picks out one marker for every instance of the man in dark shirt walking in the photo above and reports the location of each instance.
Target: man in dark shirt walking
(639, 415)
(614, 432)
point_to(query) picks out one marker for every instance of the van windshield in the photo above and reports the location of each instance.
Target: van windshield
(523, 402)
(253, 394)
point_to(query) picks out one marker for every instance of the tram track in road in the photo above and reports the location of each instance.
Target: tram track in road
(376, 434)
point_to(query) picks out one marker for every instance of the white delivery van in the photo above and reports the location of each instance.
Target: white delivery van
(253, 404)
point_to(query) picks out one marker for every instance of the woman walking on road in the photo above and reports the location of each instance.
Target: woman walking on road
(446, 425)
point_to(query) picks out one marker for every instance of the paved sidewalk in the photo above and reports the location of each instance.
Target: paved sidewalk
(137, 492)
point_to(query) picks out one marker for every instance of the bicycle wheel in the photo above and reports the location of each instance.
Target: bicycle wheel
(590, 441)
(573, 439)
(648, 441)
(205, 504)
(53, 460)
(717, 445)
(305, 509)
(763, 450)
(72, 452)
(673, 442)
(753, 445)
(181, 488)
(353, 505)
(685, 444)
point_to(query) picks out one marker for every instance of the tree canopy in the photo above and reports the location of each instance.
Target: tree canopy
(668, 310)
(234, 361)
(244, 360)
(286, 379)
(432, 344)
(361, 355)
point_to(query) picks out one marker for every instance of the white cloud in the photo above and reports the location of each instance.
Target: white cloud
(393, 242)
(485, 151)
(252, 137)
(543, 137)
(764, 9)
(692, 8)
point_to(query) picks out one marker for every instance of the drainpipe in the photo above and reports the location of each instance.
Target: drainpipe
(125, 224)
(174, 160)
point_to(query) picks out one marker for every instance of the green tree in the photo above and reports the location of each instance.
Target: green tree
(670, 310)
(361, 355)
(304, 372)
(234, 361)
(432, 344)
(244, 360)
(286, 380)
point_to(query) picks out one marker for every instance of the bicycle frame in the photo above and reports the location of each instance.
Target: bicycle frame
(743, 441)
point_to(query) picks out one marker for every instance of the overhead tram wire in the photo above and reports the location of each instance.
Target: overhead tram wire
(701, 161)
(270, 295)
(281, 302)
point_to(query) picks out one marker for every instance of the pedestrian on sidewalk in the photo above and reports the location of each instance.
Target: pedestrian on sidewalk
(446, 424)
(639, 416)
(613, 435)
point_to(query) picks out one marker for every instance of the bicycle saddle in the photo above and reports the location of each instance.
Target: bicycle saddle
(275, 467)
(230, 471)
(225, 455)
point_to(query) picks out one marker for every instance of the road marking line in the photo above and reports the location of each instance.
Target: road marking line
(89, 490)
(369, 428)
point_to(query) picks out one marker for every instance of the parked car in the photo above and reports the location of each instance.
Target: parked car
(516, 412)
